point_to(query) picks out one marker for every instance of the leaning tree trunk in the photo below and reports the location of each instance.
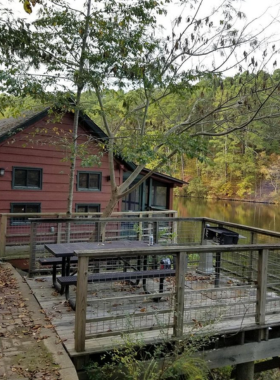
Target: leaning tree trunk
(106, 214)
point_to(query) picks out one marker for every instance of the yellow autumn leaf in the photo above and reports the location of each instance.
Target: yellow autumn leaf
(27, 6)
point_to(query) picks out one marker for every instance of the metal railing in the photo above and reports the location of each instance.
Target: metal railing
(108, 308)
(135, 226)
(243, 281)
(15, 229)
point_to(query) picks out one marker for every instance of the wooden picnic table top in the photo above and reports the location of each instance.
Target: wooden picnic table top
(68, 249)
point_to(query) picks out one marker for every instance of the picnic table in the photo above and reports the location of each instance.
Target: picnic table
(66, 252)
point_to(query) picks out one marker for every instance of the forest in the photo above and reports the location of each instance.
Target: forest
(243, 164)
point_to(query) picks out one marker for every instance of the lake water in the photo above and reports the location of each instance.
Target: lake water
(260, 215)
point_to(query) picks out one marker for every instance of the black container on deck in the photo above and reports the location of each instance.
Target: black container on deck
(220, 235)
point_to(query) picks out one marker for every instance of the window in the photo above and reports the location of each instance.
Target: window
(89, 181)
(27, 178)
(160, 195)
(24, 208)
(132, 201)
(94, 207)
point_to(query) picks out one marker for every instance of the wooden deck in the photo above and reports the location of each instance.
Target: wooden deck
(223, 310)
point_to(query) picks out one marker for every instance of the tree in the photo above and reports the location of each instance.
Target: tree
(117, 44)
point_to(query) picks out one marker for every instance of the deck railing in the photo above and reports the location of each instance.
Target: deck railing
(140, 226)
(134, 226)
(15, 229)
(190, 300)
(240, 285)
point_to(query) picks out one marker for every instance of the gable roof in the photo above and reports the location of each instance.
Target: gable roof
(11, 126)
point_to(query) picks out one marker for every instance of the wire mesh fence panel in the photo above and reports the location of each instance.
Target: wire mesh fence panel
(223, 294)
(57, 231)
(129, 294)
(189, 231)
(246, 267)
(15, 229)
(125, 300)
(273, 283)
(62, 231)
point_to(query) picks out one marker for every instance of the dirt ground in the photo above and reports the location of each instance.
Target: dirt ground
(23, 354)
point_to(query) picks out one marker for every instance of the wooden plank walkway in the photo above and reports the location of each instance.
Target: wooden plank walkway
(236, 304)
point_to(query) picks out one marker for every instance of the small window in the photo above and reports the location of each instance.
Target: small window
(24, 208)
(88, 207)
(160, 195)
(89, 181)
(27, 178)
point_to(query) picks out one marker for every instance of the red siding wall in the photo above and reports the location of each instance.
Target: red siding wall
(26, 149)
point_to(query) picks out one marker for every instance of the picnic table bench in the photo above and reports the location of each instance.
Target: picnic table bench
(54, 262)
(143, 275)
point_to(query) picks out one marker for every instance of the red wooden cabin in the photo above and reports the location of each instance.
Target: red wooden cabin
(34, 170)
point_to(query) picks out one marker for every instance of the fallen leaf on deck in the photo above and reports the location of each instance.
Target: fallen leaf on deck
(42, 338)
(36, 327)
(61, 341)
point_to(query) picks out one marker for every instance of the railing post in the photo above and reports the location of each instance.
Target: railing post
(32, 248)
(251, 256)
(175, 229)
(156, 232)
(253, 238)
(59, 230)
(179, 294)
(202, 242)
(262, 286)
(3, 232)
(205, 265)
(81, 304)
(140, 229)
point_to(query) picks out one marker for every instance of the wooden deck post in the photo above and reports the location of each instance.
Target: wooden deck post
(202, 240)
(3, 232)
(179, 294)
(251, 257)
(81, 304)
(175, 229)
(59, 231)
(32, 248)
(140, 229)
(156, 232)
(262, 285)
(245, 371)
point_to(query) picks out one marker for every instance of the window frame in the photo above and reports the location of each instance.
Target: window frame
(154, 195)
(87, 205)
(24, 221)
(16, 187)
(89, 172)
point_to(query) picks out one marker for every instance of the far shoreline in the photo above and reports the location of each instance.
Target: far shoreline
(228, 199)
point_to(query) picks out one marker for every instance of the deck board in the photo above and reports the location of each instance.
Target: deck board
(60, 314)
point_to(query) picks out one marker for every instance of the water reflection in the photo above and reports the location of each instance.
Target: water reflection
(260, 215)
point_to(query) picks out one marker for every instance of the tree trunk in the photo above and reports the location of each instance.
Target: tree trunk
(80, 86)
(107, 213)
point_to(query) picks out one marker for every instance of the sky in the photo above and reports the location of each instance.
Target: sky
(263, 11)
(252, 8)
